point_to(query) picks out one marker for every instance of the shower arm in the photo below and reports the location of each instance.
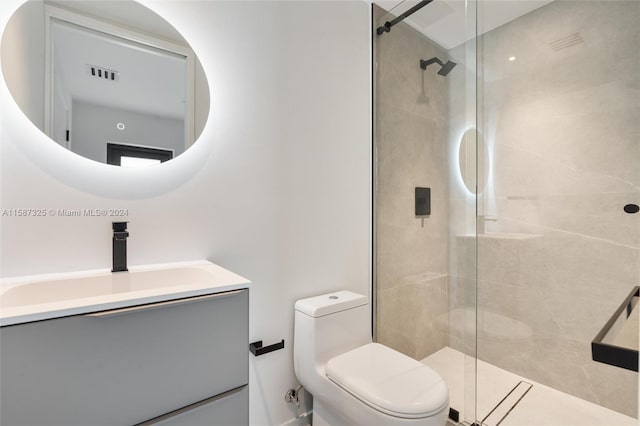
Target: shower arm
(424, 64)
(387, 25)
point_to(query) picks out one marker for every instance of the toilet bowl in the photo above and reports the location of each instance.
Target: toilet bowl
(355, 381)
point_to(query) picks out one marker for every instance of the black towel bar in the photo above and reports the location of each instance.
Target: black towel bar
(257, 349)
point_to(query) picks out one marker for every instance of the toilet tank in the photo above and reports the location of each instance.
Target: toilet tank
(326, 326)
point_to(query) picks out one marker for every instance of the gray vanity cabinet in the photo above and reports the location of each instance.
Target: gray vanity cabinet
(171, 361)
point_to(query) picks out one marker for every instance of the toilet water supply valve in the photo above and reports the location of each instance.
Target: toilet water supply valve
(293, 396)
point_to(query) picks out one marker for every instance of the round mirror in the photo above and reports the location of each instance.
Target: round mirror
(473, 158)
(115, 84)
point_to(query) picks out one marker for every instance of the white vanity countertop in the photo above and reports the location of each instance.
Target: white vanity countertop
(41, 297)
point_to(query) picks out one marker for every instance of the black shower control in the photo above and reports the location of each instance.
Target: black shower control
(632, 208)
(423, 201)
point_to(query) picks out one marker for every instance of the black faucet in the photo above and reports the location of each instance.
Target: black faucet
(120, 235)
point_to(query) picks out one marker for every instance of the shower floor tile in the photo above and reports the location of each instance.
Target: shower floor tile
(458, 370)
(541, 406)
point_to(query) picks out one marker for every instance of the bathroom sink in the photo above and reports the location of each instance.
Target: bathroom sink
(26, 299)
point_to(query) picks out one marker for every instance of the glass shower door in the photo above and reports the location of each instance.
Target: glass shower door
(558, 239)
(424, 214)
(527, 154)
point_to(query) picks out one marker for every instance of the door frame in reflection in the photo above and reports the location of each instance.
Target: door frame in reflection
(116, 151)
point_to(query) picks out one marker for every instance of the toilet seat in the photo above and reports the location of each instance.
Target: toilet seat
(389, 381)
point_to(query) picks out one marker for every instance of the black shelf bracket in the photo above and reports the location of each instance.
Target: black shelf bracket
(257, 349)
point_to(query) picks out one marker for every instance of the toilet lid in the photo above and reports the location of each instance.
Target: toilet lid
(389, 381)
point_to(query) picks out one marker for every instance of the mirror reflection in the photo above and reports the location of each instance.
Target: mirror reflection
(473, 160)
(117, 85)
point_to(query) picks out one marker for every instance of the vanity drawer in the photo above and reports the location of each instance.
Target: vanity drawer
(229, 409)
(123, 367)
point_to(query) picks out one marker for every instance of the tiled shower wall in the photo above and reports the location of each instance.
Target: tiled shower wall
(562, 122)
(411, 116)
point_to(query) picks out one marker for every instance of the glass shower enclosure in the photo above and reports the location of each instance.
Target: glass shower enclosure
(506, 185)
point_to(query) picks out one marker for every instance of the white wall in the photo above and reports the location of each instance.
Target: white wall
(283, 193)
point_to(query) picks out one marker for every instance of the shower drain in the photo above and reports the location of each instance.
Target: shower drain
(507, 404)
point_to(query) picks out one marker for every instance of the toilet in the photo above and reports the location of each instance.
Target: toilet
(355, 381)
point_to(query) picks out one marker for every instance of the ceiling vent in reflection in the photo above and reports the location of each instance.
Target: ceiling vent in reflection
(566, 41)
(103, 73)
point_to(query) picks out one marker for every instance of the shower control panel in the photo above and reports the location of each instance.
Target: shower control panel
(423, 201)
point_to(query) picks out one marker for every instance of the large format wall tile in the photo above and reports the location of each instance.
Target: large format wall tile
(412, 317)
(563, 131)
(411, 132)
(564, 127)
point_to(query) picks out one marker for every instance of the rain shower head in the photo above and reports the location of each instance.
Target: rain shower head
(446, 68)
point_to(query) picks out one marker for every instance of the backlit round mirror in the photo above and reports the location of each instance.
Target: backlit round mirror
(473, 158)
(113, 83)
